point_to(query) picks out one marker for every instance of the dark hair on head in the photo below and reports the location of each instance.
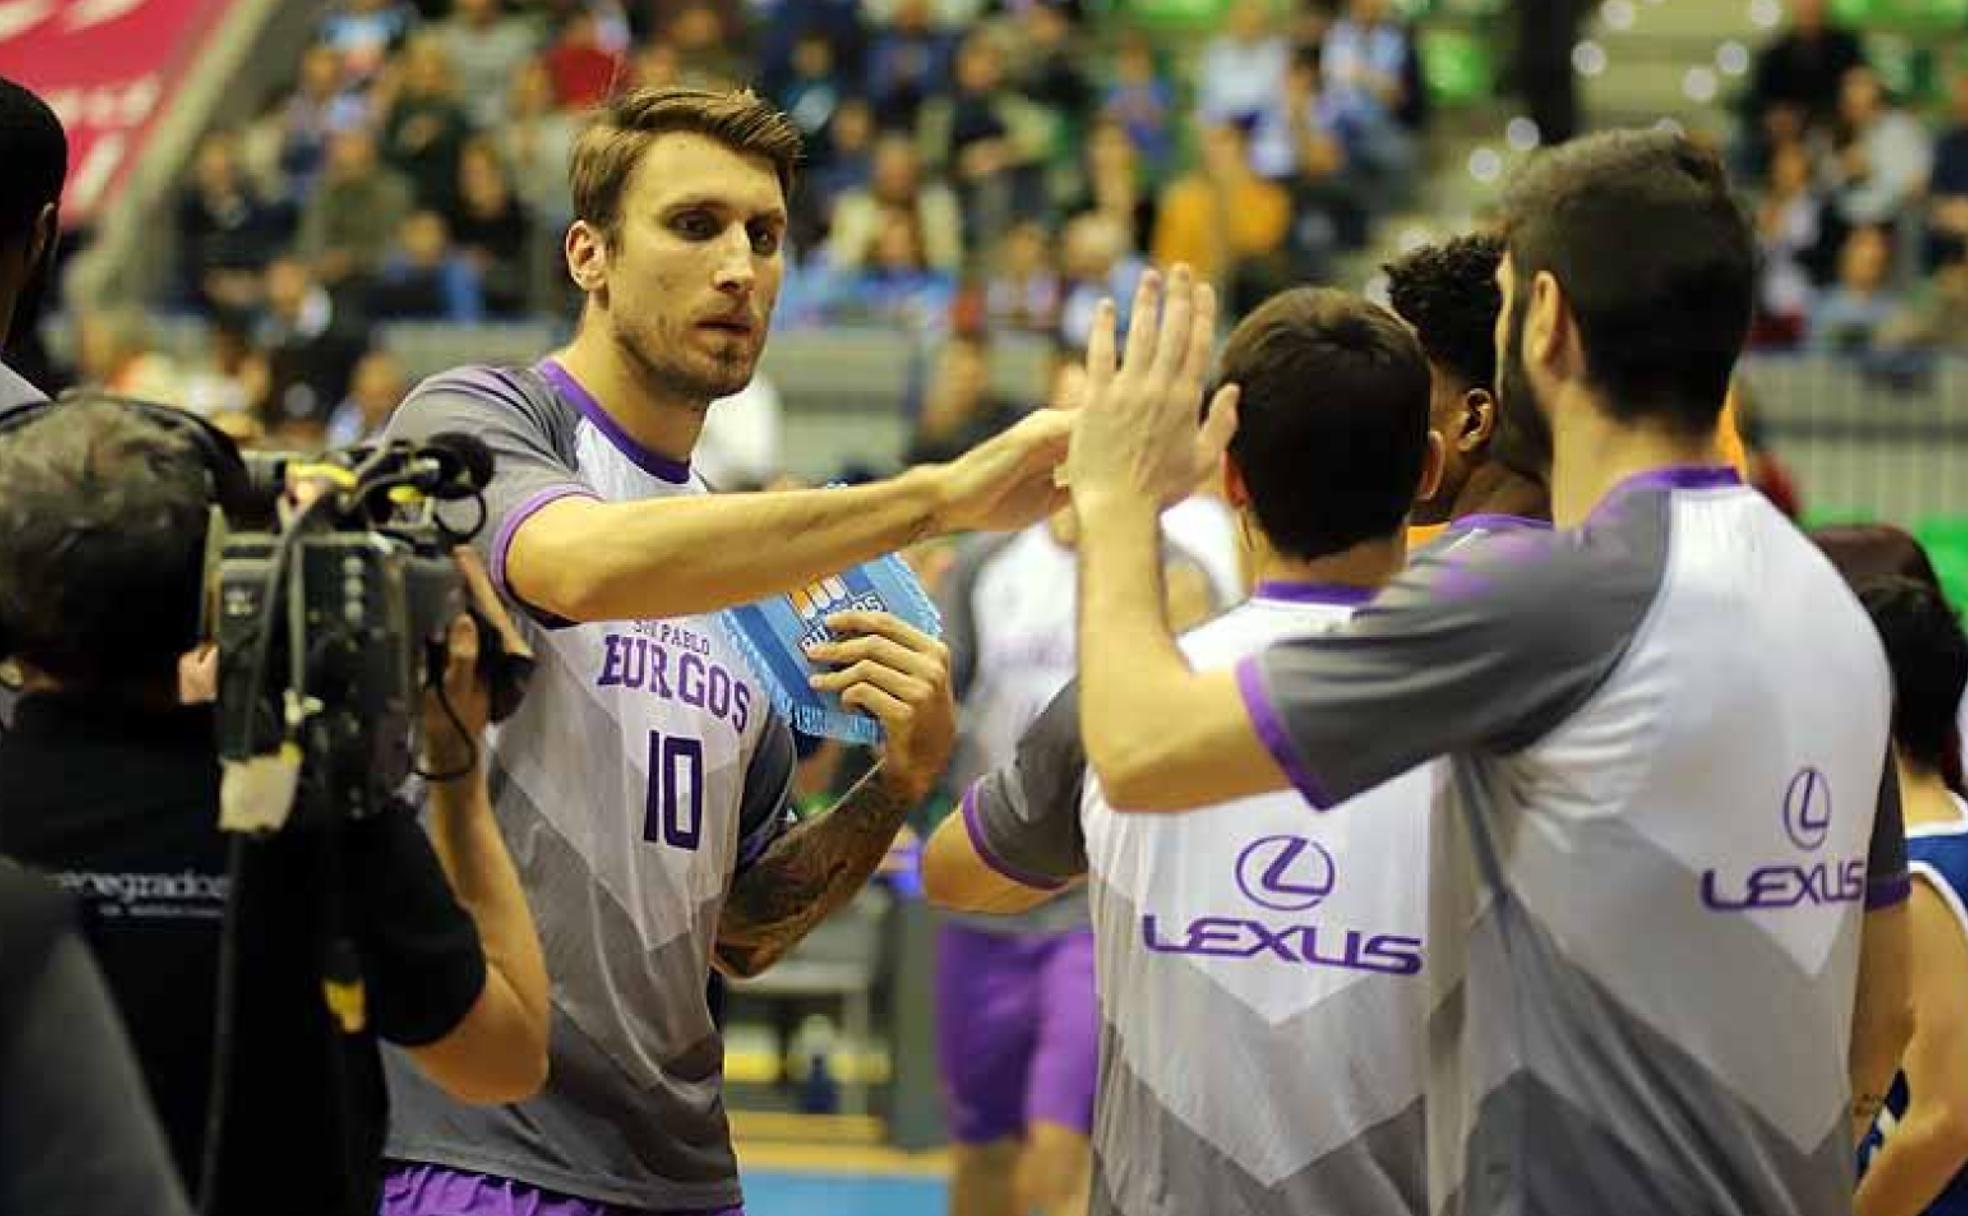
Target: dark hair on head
(1929, 657)
(1865, 553)
(611, 145)
(1449, 293)
(1656, 261)
(34, 148)
(1332, 425)
(102, 542)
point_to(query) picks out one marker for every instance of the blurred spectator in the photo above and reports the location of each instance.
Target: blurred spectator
(1368, 63)
(1935, 317)
(990, 141)
(584, 71)
(226, 232)
(1947, 185)
(849, 142)
(1242, 68)
(740, 444)
(1790, 230)
(908, 63)
(1115, 184)
(896, 284)
(948, 14)
(706, 42)
(486, 47)
(1798, 77)
(1022, 292)
(376, 388)
(363, 33)
(1882, 155)
(426, 127)
(812, 94)
(351, 217)
(1048, 67)
(896, 184)
(311, 345)
(960, 410)
(1097, 263)
(319, 110)
(427, 278)
(1223, 220)
(116, 351)
(1142, 100)
(781, 24)
(727, 15)
(1297, 136)
(232, 379)
(1848, 318)
(536, 143)
(492, 229)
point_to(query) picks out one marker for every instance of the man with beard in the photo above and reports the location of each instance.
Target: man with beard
(36, 150)
(645, 784)
(1676, 833)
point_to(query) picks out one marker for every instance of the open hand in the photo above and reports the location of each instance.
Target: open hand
(899, 675)
(1010, 480)
(1137, 440)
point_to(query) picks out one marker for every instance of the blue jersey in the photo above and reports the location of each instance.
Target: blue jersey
(1937, 853)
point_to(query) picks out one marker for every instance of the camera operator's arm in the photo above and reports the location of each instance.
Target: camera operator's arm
(554, 546)
(498, 1053)
(902, 677)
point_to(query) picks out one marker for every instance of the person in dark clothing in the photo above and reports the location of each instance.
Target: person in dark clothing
(1795, 85)
(1546, 32)
(113, 786)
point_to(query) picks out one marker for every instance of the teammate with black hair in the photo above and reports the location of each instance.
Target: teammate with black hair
(1448, 293)
(35, 150)
(1916, 1160)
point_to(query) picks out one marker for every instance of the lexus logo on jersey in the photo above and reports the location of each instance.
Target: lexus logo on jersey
(1286, 873)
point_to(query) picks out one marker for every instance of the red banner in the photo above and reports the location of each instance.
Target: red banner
(107, 67)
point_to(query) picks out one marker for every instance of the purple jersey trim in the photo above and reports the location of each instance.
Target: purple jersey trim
(676, 472)
(1271, 730)
(509, 527)
(1683, 477)
(1496, 522)
(974, 827)
(1887, 892)
(1289, 592)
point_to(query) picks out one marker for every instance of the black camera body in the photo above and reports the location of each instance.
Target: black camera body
(331, 626)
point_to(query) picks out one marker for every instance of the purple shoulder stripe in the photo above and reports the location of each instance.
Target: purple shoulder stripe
(1271, 730)
(974, 827)
(509, 527)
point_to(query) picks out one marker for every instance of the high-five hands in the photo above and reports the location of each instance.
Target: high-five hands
(1136, 443)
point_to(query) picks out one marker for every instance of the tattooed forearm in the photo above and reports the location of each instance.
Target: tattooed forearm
(806, 874)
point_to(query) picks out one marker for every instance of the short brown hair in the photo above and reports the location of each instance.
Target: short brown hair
(613, 142)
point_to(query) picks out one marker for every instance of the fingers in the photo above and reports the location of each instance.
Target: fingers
(887, 625)
(461, 649)
(925, 665)
(1202, 336)
(1100, 351)
(1142, 322)
(894, 714)
(899, 684)
(1172, 337)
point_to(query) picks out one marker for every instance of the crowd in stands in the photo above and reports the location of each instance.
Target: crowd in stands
(1861, 200)
(973, 166)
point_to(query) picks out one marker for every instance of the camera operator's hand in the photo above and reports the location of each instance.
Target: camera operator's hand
(451, 735)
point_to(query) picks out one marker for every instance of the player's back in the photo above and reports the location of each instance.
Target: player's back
(1261, 986)
(1661, 965)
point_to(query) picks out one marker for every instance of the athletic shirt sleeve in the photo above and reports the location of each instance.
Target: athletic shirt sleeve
(1488, 644)
(766, 808)
(513, 413)
(1888, 879)
(1024, 817)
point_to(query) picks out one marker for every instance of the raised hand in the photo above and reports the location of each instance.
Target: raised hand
(1137, 438)
(1009, 481)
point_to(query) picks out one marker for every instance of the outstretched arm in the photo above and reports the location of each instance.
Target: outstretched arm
(902, 677)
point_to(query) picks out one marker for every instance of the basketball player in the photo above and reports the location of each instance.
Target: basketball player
(1922, 1165)
(1017, 1030)
(1296, 943)
(644, 786)
(1448, 293)
(1677, 833)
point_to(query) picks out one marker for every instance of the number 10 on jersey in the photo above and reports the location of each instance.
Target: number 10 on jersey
(674, 810)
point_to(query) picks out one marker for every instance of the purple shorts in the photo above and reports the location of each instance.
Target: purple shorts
(414, 1189)
(1017, 1031)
